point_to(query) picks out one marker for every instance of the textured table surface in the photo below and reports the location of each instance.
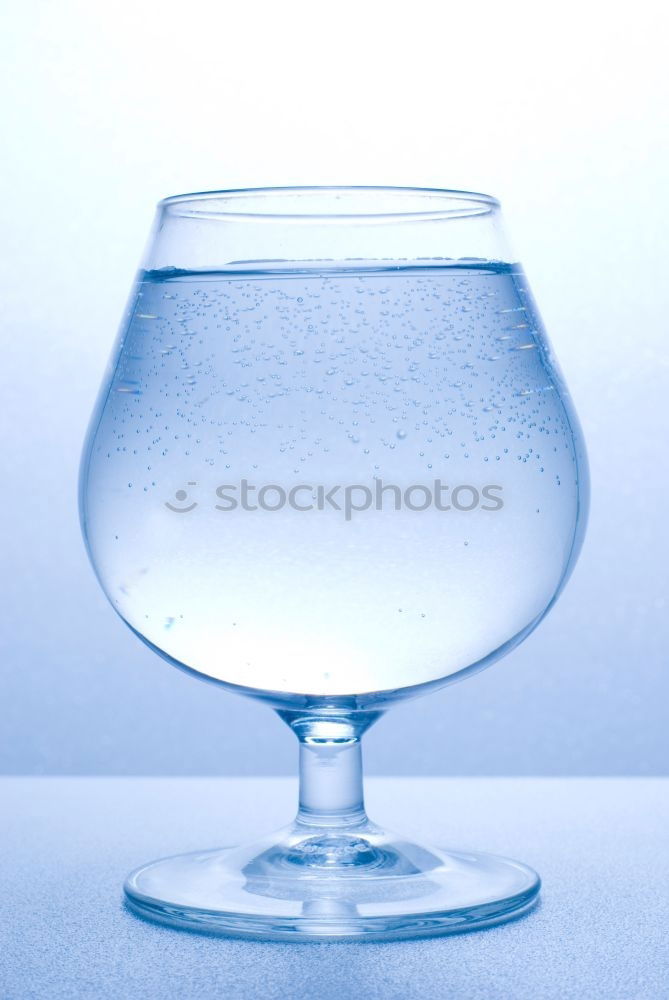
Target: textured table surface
(601, 846)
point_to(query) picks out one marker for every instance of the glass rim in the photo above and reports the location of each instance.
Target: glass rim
(264, 204)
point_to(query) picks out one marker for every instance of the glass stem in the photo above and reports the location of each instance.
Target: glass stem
(331, 792)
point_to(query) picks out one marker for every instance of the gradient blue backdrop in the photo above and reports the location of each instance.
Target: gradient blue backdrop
(106, 111)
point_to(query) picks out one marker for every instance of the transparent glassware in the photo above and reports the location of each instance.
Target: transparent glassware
(333, 465)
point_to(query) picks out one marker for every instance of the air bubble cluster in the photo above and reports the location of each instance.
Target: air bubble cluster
(413, 370)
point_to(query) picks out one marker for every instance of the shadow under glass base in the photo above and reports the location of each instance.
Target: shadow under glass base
(313, 885)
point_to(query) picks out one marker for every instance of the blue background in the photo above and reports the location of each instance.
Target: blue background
(108, 111)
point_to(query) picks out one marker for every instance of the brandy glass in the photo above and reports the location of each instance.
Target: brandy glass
(333, 465)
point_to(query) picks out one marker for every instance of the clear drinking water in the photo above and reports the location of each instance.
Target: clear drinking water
(404, 437)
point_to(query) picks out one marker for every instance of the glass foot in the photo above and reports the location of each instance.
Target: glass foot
(308, 884)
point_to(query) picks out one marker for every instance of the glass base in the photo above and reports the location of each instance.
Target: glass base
(310, 884)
